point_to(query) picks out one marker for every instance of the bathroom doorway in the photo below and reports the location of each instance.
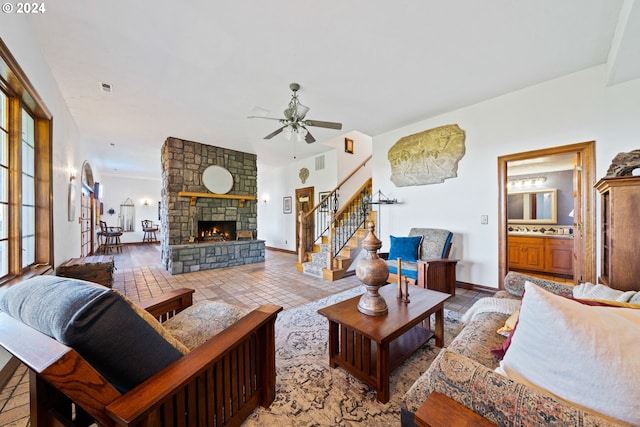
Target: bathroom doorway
(584, 214)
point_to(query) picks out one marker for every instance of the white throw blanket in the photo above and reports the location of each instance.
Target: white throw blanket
(491, 305)
(589, 290)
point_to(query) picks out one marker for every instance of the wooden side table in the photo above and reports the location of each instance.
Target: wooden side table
(441, 411)
(371, 347)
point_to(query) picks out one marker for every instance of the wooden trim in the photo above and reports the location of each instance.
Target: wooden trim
(17, 81)
(287, 251)
(195, 195)
(587, 151)
(477, 288)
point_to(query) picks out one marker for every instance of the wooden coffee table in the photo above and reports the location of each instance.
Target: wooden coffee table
(370, 347)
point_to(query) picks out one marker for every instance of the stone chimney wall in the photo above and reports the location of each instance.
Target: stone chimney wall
(183, 163)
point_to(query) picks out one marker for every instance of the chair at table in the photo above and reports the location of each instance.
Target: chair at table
(149, 231)
(111, 236)
(425, 262)
(96, 357)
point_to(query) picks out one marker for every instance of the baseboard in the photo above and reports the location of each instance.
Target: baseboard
(281, 250)
(477, 288)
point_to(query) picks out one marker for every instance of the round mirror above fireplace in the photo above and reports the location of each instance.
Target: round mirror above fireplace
(217, 179)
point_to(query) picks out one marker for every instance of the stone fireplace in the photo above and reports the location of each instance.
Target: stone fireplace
(187, 220)
(216, 231)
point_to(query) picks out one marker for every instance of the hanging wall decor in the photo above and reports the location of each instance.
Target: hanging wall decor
(427, 157)
(127, 215)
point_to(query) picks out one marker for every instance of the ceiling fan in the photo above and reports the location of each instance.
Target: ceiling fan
(294, 123)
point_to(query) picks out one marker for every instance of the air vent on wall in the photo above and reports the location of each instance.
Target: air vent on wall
(320, 163)
(106, 87)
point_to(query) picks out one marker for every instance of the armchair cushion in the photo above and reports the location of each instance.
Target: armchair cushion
(96, 322)
(202, 321)
(435, 242)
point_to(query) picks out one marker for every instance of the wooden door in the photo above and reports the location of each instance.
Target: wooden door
(304, 202)
(86, 223)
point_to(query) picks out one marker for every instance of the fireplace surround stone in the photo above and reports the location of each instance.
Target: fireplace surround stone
(183, 163)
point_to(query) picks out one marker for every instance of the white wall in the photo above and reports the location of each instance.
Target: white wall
(572, 109)
(117, 189)
(274, 183)
(67, 143)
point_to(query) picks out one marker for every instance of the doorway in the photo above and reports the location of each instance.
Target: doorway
(584, 208)
(304, 202)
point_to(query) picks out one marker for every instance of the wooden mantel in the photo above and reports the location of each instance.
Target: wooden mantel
(195, 195)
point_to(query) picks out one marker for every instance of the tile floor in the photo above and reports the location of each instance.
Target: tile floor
(140, 276)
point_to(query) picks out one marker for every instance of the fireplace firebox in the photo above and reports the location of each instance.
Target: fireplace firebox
(211, 231)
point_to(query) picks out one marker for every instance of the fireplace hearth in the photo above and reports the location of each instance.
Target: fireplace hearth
(213, 231)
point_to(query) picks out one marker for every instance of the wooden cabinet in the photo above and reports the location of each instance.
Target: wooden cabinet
(620, 227)
(559, 256)
(526, 253)
(546, 254)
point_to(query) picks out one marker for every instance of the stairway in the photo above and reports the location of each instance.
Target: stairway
(343, 263)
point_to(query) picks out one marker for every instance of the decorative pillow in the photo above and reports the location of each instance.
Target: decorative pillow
(155, 324)
(405, 248)
(96, 322)
(583, 354)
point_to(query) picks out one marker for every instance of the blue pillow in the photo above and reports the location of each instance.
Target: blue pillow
(406, 248)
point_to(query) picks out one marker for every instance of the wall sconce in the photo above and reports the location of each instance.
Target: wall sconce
(265, 198)
(145, 202)
(527, 182)
(72, 174)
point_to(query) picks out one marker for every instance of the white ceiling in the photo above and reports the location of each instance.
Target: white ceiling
(195, 69)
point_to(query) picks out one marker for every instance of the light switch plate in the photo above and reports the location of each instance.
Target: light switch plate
(484, 219)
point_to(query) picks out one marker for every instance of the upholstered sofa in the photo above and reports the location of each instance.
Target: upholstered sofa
(465, 370)
(95, 356)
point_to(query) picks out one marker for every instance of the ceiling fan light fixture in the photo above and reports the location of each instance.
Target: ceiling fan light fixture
(301, 111)
(287, 132)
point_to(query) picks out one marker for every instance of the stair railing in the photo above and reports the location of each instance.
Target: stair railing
(348, 219)
(324, 214)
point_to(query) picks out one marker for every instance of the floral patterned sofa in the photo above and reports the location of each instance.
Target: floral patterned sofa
(465, 371)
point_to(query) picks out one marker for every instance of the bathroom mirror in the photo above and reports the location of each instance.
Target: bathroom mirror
(217, 179)
(532, 207)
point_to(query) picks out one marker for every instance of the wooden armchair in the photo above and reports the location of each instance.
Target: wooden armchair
(219, 383)
(429, 266)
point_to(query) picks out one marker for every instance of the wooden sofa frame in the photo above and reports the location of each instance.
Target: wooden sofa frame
(217, 384)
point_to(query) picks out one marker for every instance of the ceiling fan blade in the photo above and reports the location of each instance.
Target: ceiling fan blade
(321, 124)
(275, 132)
(262, 117)
(308, 137)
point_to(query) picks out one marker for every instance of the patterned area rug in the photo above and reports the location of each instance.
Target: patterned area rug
(309, 393)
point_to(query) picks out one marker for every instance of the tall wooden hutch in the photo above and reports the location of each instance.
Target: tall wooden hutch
(620, 232)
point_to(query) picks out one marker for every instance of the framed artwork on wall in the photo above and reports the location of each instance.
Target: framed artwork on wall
(348, 145)
(324, 207)
(286, 204)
